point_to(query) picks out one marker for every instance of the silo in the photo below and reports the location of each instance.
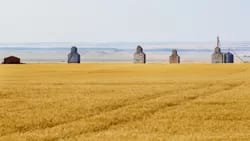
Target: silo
(228, 58)
(139, 56)
(174, 58)
(74, 56)
(218, 56)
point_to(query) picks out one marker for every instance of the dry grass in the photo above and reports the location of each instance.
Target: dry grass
(120, 102)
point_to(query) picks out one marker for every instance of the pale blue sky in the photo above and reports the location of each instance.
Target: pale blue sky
(123, 20)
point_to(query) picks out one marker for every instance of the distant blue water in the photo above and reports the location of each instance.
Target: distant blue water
(118, 52)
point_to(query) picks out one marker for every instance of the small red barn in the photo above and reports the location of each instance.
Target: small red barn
(12, 60)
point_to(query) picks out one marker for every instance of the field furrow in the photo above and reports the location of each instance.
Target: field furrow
(50, 102)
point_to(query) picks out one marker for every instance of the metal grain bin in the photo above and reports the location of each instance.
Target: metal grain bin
(228, 58)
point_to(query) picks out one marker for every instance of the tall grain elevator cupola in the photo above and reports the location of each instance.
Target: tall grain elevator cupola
(217, 56)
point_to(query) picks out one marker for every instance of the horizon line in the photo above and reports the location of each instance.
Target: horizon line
(32, 42)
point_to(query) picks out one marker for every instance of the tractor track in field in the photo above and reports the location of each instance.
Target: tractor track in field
(102, 109)
(147, 113)
(166, 105)
(2, 95)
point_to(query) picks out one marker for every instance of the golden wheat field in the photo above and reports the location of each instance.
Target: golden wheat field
(125, 102)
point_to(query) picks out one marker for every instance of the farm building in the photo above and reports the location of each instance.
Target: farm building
(174, 58)
(228, 58)
(139, 56)
(217, 56)
(74, 56)
(12, 60)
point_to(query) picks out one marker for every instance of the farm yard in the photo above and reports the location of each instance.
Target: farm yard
(125, 102)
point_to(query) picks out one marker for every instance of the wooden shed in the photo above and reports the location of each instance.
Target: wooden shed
(12, 60)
